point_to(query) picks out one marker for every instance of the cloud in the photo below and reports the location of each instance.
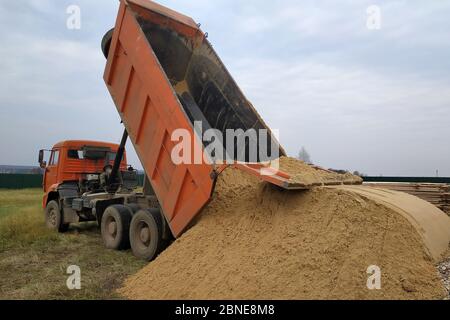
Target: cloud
(343, 114)
(51, 83)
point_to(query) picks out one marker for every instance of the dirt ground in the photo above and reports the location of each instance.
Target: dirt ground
(34, 260)
(255, 241)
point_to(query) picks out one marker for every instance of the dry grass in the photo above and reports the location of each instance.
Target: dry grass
(34, 260)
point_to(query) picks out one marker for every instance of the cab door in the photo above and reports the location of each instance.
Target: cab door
(51, 171)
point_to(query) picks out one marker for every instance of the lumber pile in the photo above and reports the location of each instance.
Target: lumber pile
(435, 193)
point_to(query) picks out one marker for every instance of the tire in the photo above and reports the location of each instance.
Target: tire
(115, 227)
(54, 217)
(106, 42)
(146, 234)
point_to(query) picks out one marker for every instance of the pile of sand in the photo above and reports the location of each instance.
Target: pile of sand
(255, 241)
(303, 173)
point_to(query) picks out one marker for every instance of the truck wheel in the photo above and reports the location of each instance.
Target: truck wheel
(54, 218)
(115, 227)
(146, 234)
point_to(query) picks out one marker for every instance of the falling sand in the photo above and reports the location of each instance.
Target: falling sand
(303, 173)
(256, 241)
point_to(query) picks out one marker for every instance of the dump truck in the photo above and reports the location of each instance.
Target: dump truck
(165, 78)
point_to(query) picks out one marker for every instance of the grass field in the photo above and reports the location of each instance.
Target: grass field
(34, 260)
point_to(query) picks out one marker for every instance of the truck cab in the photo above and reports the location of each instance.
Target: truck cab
(75, 191)
(73, 169)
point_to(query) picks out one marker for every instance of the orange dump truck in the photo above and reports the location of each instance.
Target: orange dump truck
(163, 76)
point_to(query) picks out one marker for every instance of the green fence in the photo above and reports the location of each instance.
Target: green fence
(27, 181)
(141, 179)
(20, 181)
(408, 179)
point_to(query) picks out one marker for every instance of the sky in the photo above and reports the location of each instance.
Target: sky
(357, 98)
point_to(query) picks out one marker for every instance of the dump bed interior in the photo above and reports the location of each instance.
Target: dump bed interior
(202, 83)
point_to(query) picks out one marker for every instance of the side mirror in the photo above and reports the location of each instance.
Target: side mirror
(42, 163)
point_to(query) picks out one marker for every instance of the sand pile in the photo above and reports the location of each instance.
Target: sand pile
(305, 174)
(255, 241)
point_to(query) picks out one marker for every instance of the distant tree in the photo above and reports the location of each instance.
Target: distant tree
(304, 156)
(338, 171)
(357, 173)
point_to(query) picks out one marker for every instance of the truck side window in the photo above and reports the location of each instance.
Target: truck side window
(54, 158)
(72, 154)
(75, 154)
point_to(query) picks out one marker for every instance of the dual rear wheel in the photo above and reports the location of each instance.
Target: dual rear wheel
(146, 234)
(123, 227)
(115, 226)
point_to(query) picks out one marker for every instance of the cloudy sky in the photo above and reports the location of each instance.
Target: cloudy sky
(377, 101)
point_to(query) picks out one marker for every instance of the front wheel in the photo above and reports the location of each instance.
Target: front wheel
(146, 234)
(54, 217)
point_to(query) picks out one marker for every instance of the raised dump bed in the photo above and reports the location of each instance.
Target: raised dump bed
(164, 75)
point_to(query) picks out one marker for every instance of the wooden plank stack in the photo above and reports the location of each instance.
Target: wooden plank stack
(435, 193)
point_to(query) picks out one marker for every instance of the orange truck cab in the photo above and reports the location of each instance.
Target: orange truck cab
(73, 172)
(75, 162)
